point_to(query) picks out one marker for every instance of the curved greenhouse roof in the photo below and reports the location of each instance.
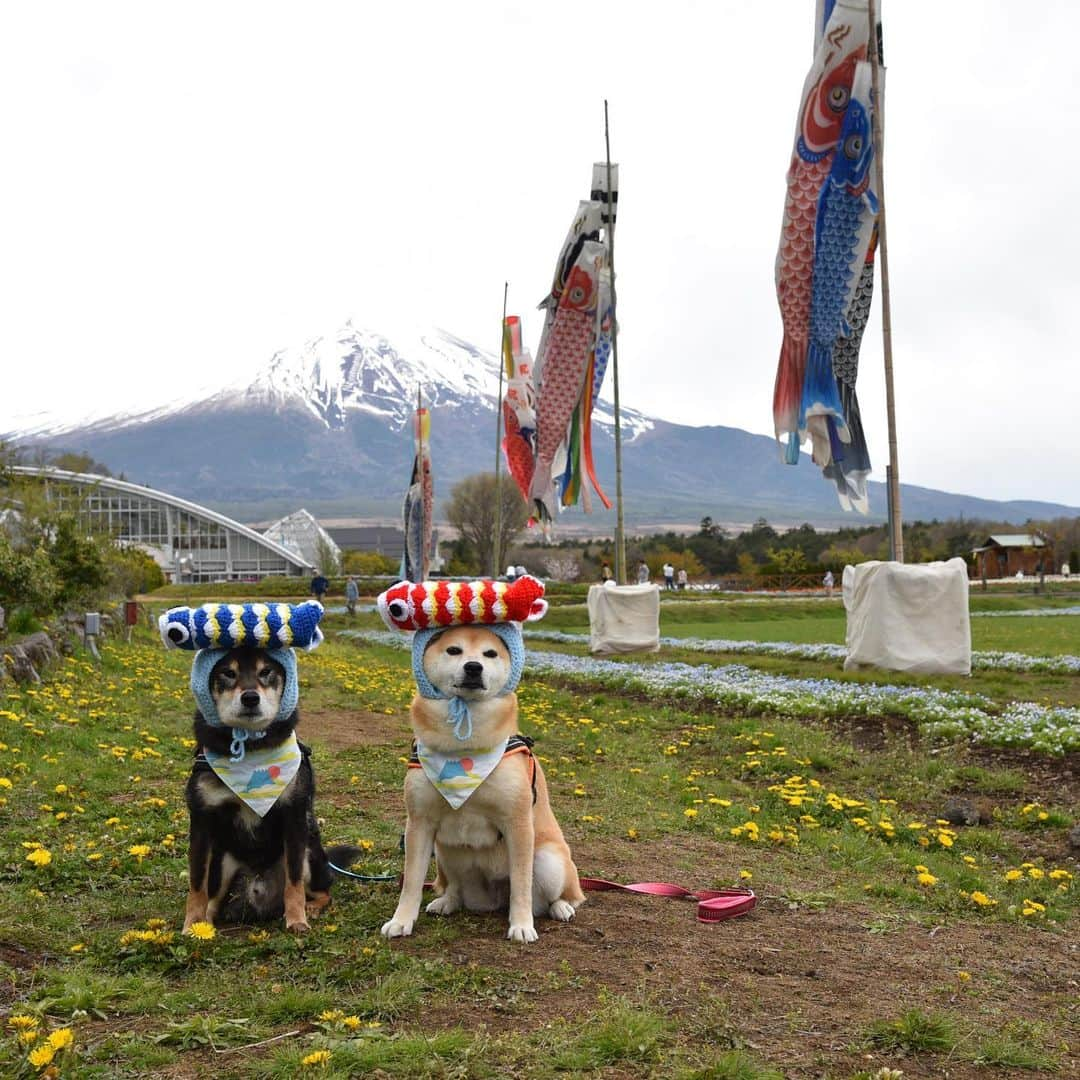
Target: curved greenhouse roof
(190, 543)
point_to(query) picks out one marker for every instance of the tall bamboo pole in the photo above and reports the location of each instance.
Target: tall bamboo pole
(877, 120)
(498, 440)
(620, 539)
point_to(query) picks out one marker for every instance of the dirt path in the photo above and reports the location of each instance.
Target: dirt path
(796, 984)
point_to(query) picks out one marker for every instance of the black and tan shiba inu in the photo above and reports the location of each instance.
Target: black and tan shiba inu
(255, 849)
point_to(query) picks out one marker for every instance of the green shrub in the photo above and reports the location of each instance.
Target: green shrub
(27, 579)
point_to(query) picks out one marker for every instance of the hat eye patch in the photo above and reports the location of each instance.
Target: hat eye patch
(398, 609)
(177, 633)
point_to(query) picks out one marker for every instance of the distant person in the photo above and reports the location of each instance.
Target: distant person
(643, 573)
(511, 573)
(828, 581)
(520, 571)
(682, 578)
(606, 574)
(1019, 575)
(1065, 570)
(352, 594)
(319, 585)
(669, 576)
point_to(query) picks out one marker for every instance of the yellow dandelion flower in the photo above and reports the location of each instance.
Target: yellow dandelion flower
(39, 857)
(1035, 873)
(1060, 875)
(78, 947)
(315, 1059)
(329, 1016)
(351, 1022)
(257, 937)
(746, 875)
(927, 880)
(204, 931)
(140, 851)
(61, 789)
(42, 1056)
(964, 976)
(980, 898)
(690, 812)
(22, 1022)
(61, 1038)
(632, 834)
(920, 869)
(1013, 875)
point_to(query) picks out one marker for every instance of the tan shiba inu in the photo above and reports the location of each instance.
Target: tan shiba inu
(476, 795)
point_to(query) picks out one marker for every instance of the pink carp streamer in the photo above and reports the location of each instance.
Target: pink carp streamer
(570, 363)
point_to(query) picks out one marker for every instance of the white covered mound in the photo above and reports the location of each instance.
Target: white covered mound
(624, 618)
(908, 618)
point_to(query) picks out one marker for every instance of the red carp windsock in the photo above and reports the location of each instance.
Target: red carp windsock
(420, 605)
(519, 408)
(825, 97)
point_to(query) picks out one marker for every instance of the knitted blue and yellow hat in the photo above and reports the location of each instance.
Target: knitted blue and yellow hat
(213, 629)
(232, 626)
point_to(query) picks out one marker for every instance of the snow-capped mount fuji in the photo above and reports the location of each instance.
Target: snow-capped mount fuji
(327, 426)
(363, 371)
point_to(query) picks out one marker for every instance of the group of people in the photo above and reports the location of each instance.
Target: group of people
(319, 587)
(672, 579)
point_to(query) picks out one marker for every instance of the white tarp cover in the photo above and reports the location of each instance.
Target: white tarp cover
(624, 618)
(908, 618)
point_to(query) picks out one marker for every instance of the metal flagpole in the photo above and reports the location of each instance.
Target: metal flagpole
(498, 441)
(877, 119)
(620, 540)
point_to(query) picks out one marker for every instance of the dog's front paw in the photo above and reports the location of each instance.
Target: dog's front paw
(398, 927)
(523, 932)
(562, 910)
(443, 905)
(299, 928)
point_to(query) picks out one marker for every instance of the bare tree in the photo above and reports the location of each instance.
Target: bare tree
(471, 510)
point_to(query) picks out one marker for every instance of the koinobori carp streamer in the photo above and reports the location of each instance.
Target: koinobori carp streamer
(420, 605)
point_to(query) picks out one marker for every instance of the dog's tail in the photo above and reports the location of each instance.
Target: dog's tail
(342, 856)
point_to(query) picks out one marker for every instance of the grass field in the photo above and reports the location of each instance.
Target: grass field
(883, 936)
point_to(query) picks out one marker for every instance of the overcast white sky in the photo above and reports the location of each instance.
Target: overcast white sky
(189, 187)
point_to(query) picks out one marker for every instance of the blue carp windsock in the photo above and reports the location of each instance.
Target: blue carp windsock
(419, 605)
(847, 210)
(849, 469)
(253, 626)
(825, 96)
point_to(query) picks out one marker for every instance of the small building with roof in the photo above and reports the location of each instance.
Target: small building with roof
(1007, 554)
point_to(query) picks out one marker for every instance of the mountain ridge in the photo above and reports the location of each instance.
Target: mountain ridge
(327, 426)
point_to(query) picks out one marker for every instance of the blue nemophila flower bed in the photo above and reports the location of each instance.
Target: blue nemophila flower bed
(1004, 661)
(943, 713)
(1028, 613)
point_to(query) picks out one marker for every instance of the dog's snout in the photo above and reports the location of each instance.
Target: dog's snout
(249, 699)
(473, 669)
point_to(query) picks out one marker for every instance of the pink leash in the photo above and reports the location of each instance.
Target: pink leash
(714, 905)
